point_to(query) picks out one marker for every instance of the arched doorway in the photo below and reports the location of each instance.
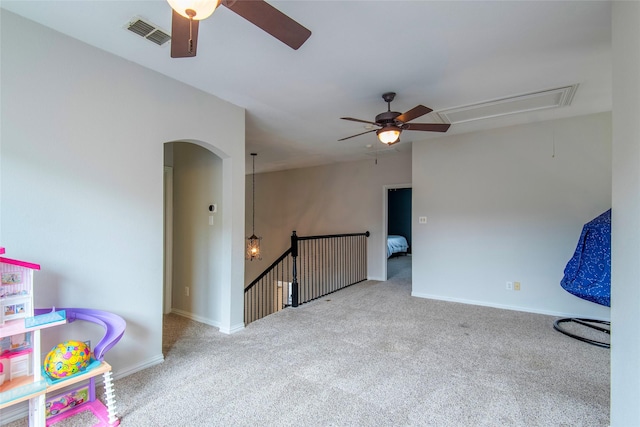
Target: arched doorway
(199, 267)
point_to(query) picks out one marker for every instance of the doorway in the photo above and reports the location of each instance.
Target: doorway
(193, 282)
(398, 232)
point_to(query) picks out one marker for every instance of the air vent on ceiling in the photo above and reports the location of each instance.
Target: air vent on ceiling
(148, 30)
(542, 100)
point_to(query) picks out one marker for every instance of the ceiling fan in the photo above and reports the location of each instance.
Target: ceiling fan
(392, 123)
(188, 13)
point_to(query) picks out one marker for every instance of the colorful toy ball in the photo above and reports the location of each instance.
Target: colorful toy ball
(66, 359)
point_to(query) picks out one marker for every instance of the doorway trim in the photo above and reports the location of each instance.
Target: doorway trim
(168, 239)
(385, 215)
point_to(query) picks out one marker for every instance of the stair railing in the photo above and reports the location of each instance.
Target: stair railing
(314, 266)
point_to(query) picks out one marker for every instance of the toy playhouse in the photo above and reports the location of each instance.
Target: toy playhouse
(22, 375)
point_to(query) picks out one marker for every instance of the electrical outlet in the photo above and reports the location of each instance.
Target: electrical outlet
(186, 291)
(516, 286)
(509, 286)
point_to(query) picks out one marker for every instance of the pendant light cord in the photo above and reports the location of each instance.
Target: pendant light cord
(253, 202)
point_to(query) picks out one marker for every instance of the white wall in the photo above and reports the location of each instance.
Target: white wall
(505, 205)
(82, 173)
(339, 198)
(625, 244)
(197, 183)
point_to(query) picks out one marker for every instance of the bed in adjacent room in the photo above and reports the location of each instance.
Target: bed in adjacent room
(396, 245)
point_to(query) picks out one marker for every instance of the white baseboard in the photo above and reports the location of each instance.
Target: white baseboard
(156, 360)
(501, 306)
(231, 330)
(195, 317)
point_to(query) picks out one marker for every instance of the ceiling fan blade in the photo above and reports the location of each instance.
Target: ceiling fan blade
(271, 20)
(430, 127)
(353, 136)
(361, 121)
(180, 31)
(414, 113)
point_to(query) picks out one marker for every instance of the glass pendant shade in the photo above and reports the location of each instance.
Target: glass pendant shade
(388, 134)
(253, 248)
(202, 8)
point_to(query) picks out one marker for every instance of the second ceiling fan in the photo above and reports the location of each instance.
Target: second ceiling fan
(392, 123)
(188, 13)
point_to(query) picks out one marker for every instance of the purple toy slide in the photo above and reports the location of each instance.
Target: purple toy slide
(113, 324)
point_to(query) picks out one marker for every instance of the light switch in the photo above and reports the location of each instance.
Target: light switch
(422, 220)
(210, 219)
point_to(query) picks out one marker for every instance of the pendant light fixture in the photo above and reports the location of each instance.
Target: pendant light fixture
(253, 241)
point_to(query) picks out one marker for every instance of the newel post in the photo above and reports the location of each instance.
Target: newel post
(294, 284)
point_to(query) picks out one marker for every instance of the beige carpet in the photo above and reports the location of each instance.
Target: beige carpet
(371, 355)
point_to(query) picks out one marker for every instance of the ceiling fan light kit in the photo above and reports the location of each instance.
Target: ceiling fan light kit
(392, 123)
(194, 9)
(388, 134)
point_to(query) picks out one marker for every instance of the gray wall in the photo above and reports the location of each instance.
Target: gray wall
(344, 197)
(625, 244)
(502, 205)
(197, 183)
(82, 182)
(505, 205)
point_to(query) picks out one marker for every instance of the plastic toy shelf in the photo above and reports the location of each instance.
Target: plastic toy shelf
(23, 387)
(15, 327)
(101, 369)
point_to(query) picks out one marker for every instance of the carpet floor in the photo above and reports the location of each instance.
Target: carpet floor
(370, 355)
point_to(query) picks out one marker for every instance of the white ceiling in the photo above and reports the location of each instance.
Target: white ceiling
(441, 54)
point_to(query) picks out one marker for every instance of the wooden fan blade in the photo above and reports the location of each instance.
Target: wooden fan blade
(180, 36)
(358, 120)
(430, 127)
(353, 136)
(271, 20)
(414, 113)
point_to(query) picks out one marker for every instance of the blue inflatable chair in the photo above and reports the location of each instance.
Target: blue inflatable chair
(588, 275)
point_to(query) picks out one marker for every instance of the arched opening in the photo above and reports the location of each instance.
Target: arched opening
(197, 255)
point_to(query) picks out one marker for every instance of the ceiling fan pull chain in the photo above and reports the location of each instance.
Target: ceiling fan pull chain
(191, 13)
(190, 35)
